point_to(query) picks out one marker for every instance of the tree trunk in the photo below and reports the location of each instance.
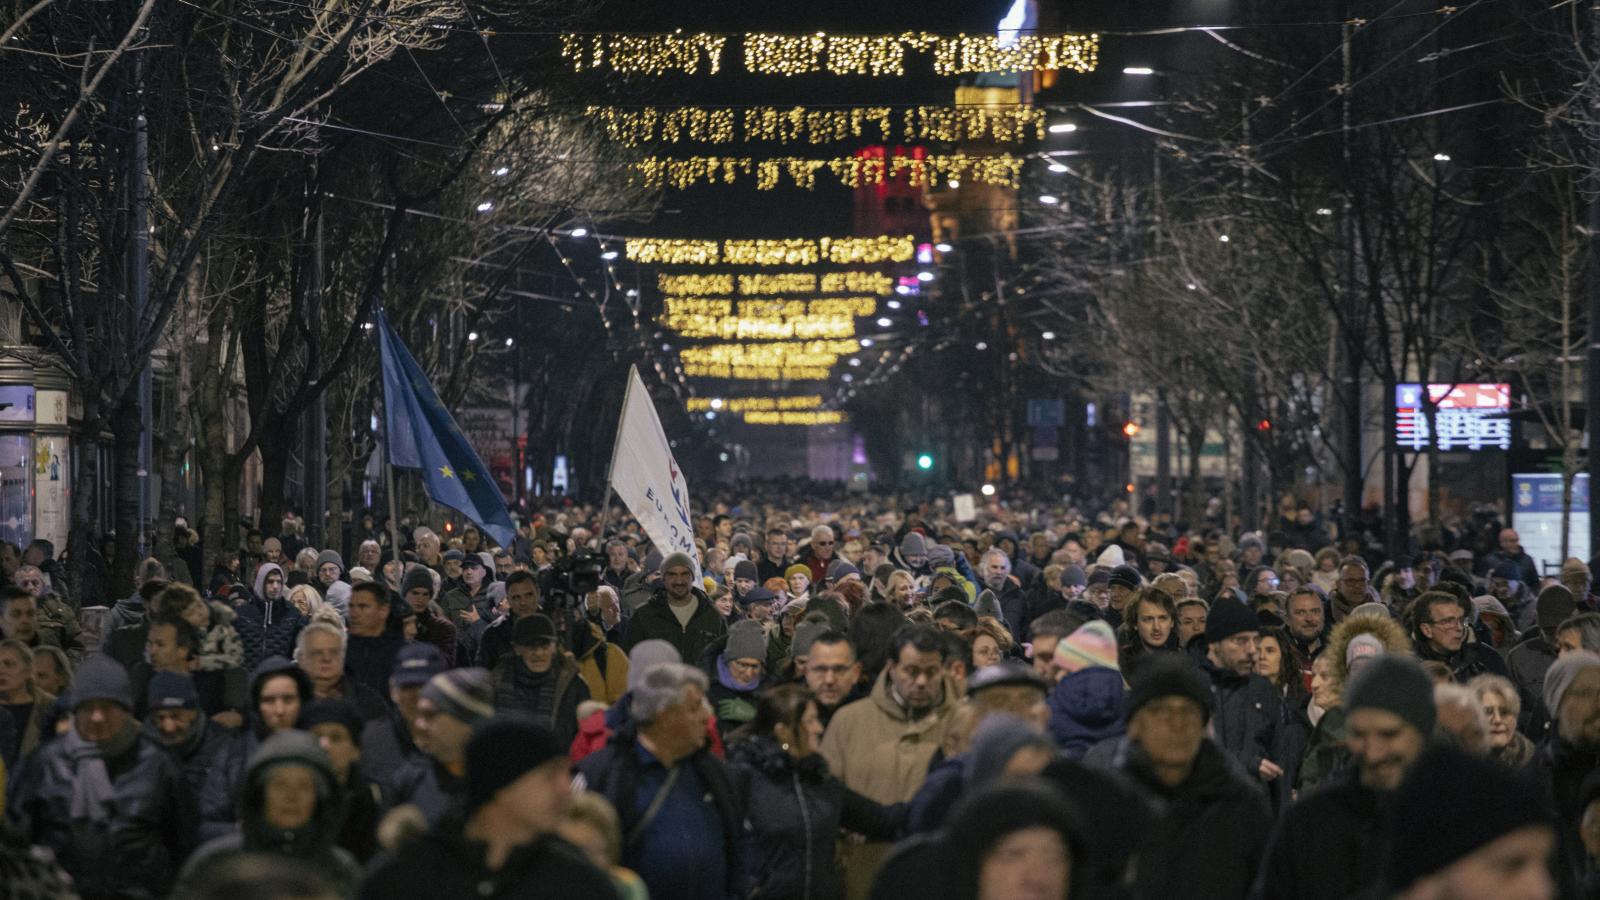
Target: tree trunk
(274, 476)
(84, 535)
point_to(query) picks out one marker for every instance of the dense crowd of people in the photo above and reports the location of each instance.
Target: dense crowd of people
(862, 697)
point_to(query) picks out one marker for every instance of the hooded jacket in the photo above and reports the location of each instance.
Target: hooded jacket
(219, 801)
(1210, 832)
(267, 628)
(878, 749)
(655, 621)
(601, 664)
(1385, 629)
(1247, 716)
(147, 830)
(551, 696)
(1085, 709)
(796, 808)
(312, 844)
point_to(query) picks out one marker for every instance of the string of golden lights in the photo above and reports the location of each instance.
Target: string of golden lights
(754, 404)
(797, 124)
(834, 54)
(857, 282)
(768, 308)
(679, 173)
(784, 372)
(771, 252)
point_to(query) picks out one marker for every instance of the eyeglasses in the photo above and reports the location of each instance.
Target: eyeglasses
(823, 543)
(1449, 623)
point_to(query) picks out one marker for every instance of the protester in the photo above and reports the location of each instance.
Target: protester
(538, 680)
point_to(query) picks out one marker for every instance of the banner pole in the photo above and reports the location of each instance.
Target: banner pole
(616, 444)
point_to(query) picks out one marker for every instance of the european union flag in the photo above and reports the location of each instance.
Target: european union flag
(423, 436)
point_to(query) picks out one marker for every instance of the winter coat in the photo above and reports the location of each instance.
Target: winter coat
(1467, 663)
(207, 747)
(1561, 768)
(595, 731)
(615, 772)
(445, 865)
(1085, 709)
(1529, 661)
(135, 851)
(1210, 832)
(1014, 606)
(1325, 752)
(1517, 754)
(518, 690)
(438, 631)
(493, 643)
(655, 621)
(126, 613)
(219, 801)
(31, 732)
(602, 665)
(429, 786)
(267, 628)
(386, 747)
(312, 845)
(1246, 718)
(796, 808)
(876, 748)
(1329, 845)
(57, 624)
(220, 647)
(370, 660)
(1292, 737)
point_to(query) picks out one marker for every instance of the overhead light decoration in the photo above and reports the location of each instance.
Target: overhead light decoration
(771, 252)
(818, 417)
(681, 173)
(801, 125)
(834, 54)
(780, 328)
(756, 404)
(781, 354)
(580, 232)
(855, 282)
(768, 308)
(785, 372)
(649, 54)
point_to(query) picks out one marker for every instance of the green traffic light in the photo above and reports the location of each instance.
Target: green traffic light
(925, 462)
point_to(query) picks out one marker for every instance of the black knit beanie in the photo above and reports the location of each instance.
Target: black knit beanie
(1168, 675)
(502, 749)
(1450, 805)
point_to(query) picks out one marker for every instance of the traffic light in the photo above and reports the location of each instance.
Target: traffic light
(925, 461)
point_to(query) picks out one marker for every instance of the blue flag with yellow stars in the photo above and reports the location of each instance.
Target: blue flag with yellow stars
(423, 435)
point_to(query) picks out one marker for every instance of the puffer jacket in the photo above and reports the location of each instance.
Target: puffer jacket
(796, 808)
(430, 787)
(136, 850)
(205, 748)
(1085, 709)
(312, 844)
(1529, 661)
(267, 628)
(219, 801)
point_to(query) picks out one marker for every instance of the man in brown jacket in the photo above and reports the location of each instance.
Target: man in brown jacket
(880, 745)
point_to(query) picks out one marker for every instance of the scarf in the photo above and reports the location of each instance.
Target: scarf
(92, 791)
(538, 686)
(726, 679)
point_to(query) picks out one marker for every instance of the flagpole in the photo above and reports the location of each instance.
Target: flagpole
(616, 444)
(388, 468)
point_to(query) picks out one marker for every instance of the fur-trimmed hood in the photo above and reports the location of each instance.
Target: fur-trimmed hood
(1383, 628)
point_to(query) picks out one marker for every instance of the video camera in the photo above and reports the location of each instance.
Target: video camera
(569, 579)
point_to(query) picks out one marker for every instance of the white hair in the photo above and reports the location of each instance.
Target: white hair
(317, 626)
(662, 687)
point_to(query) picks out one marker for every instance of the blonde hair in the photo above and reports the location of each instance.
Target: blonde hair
(592, 809)
(313, 606)
(991, 626)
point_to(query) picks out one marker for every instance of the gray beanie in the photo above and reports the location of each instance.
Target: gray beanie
(989, 605)
(1560, 676)
(330, 556)
(1000, 737)
(913, 545)
(1397, 684)
(677, 559)
(941, 555)
(804, 635)
(1362, 646)
(646, 655)
(99, 677)
(463, 694)
(746, 640)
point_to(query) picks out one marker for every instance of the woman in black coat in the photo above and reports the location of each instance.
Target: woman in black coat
(796, 806)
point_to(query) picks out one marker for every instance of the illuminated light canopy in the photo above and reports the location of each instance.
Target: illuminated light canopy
(758, 373)
(680, 173)
(779, 354)
(880, 55)
(1000, 123)
(769, 308)
(770, 329)
(858, 282)
(816, 417)
(651, 54)
(756, 404)
(693, 285)
(777, 252)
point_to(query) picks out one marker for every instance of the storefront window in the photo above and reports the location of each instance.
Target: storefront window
(16, 508)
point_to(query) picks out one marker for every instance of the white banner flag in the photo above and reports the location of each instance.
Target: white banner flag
(647, 478)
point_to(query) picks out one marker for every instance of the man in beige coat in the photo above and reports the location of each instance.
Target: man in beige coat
(880, 746)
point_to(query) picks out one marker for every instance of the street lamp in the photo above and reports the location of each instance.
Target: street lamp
(580, 231)
(1062, 128)
(1138, 70)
